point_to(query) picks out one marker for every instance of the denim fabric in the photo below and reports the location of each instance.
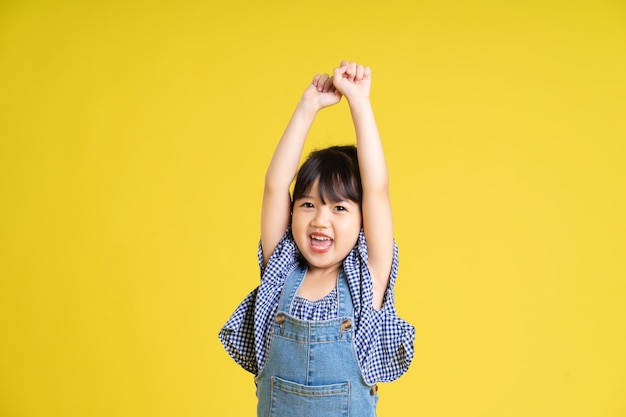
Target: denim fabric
(312, 369)
(383, 341)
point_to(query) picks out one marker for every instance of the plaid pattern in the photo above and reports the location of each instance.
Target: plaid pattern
(323, 309)
(383, 341)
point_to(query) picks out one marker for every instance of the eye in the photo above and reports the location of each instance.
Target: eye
(340, 208)
(307, 204)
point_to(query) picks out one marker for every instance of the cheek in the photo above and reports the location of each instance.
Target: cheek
(353, 228)
(298, 222)
(358, 222)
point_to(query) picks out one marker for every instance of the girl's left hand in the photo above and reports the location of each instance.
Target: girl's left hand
(353, 80)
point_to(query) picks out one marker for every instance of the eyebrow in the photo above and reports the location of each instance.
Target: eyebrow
(326, 201)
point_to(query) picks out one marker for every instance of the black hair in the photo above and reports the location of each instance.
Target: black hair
(337, 171)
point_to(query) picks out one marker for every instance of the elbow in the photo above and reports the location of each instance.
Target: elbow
(276, 183)
(376, 184)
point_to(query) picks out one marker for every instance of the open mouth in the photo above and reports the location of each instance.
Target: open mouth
(320, 243)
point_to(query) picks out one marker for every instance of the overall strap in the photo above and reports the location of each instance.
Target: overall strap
(292, 283)
(345, 307)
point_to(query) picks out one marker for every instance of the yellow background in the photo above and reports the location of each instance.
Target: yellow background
(134, 140)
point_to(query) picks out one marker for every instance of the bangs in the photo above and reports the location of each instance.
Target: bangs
(337, 186)
(336, 171)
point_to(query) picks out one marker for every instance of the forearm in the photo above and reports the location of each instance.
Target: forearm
(374, 173)
(286, 158)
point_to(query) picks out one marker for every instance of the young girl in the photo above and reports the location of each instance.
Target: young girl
(321, 329)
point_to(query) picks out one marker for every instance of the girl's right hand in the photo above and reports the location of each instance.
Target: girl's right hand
(321, 92)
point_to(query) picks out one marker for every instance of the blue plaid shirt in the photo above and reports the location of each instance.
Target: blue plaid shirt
(323, 309)
(383, 341)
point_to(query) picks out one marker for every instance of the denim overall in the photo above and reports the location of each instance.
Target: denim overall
(311, 369)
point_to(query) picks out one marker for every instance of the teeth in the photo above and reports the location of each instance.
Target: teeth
(320, 238)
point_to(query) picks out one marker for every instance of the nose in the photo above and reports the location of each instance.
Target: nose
(321, 218)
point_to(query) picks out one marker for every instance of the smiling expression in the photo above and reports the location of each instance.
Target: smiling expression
(324, 231)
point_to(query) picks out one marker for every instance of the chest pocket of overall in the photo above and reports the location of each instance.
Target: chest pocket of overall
(289, 399)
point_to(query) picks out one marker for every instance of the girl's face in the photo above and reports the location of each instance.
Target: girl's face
(325, 232)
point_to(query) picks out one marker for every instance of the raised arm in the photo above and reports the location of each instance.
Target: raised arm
(276, 206)
(354, 81)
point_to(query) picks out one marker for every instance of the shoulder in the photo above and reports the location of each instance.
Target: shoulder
(358, 258)
(284, 257)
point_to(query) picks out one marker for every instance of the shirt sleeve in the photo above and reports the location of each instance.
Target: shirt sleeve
(285, 254)
(237, 335)
(384, 341)
(245, 335)
(282, 261)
